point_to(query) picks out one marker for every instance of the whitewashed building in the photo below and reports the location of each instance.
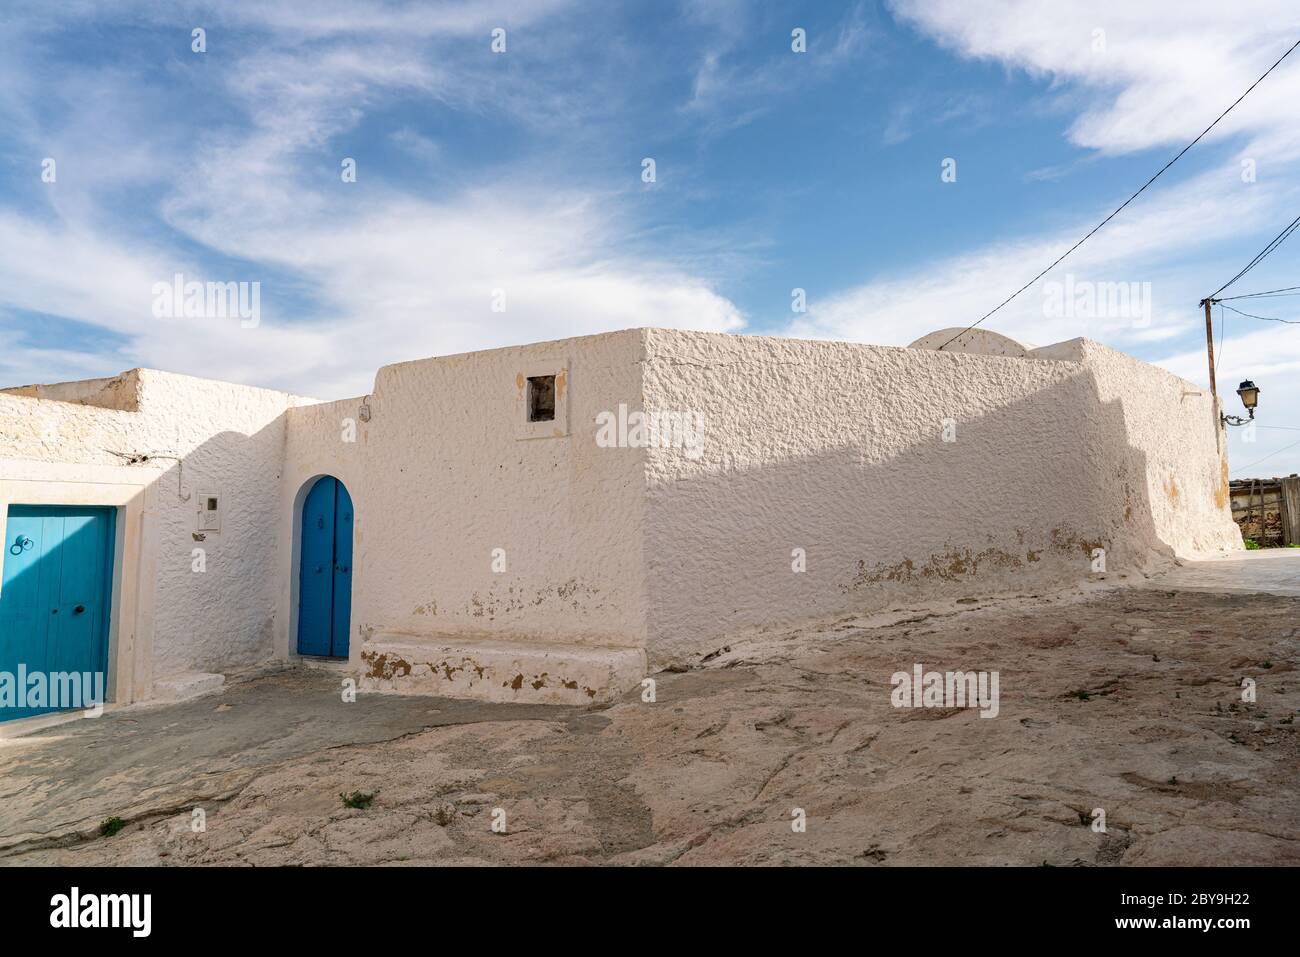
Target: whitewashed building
(550, 522)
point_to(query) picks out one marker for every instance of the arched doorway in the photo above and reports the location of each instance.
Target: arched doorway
(325, 575)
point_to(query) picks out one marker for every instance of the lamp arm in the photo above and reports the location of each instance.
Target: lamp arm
(1236, 419)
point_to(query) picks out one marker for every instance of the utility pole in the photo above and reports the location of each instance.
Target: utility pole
(1209, 343)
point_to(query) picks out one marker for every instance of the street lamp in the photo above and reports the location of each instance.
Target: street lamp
(1249, 393)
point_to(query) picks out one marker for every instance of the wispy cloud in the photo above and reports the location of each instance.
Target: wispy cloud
(354, 274)
(729, 94)
(1140, 77)
(1159, 70)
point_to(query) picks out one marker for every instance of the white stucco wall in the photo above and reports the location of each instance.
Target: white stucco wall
(838, 449)
(833, 448)
(315, 446)
(1173, 423)
(447, 470)
(448, 476)
(229, 439)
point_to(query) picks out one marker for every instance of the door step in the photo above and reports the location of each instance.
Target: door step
(535, 672)
(186, 685)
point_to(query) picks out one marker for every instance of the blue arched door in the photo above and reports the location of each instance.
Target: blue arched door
(325, 577)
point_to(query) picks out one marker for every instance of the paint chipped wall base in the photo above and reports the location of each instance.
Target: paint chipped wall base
(515, 672)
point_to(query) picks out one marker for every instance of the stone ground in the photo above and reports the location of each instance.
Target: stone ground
(1127, 699)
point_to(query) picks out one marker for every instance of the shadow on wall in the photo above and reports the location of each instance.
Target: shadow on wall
(1019, 500)
(215, 598)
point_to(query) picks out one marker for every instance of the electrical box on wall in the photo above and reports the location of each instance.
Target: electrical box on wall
(209, 512)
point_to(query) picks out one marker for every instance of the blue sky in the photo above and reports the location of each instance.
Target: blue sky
(522, 171)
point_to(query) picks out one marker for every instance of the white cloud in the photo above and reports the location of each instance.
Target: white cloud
(1164, 70)
(730, 95)
(1164, 241)
(353, 275)
(404, 280)
(1167, 69)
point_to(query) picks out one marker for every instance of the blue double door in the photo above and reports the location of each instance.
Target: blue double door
(54, 599)
(325, 577)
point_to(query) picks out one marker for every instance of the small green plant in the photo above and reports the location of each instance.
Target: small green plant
(1081, 695)
(1250, 543)
(1174, 780)
(111, 826)
(357, 799)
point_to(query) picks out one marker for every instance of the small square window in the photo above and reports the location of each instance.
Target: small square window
(541, 398)
(212, 505)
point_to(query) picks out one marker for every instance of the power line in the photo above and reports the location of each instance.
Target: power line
(1126, 202)
(1270, 455)
(1273, 243)
(1272, 293)
(1289, 322)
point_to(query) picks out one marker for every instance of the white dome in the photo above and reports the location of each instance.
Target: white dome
(983, 342)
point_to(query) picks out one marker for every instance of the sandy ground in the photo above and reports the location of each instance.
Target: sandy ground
(1128, 700)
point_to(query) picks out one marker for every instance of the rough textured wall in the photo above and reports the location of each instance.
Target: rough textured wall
(839, 450)
(327, 438)
(1173, 424)
(230, 439)
(446, 478)
(834, 449)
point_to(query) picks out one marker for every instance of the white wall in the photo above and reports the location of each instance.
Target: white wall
(315, 446)
(838, 449)
(443, 474)
(230, 440)
(1174, 423)
(833, 448)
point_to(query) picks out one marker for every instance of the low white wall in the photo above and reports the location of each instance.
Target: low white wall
(187, 436)
(838, 449)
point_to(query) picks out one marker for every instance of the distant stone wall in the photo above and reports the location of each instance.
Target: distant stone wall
(1268, 510)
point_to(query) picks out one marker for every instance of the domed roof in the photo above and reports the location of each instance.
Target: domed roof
(982, 342)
